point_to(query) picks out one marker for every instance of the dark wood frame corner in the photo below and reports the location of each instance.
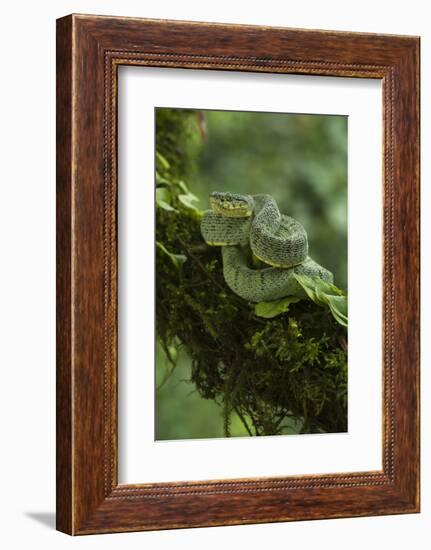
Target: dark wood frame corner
(89, 51)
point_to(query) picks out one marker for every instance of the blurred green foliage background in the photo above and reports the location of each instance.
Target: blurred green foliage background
(299, 159)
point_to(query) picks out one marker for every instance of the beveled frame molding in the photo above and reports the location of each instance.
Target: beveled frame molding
(89, 51)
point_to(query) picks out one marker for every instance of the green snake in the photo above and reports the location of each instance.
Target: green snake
(252, 225)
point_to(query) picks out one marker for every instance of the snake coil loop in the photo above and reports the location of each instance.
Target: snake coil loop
(246, 225)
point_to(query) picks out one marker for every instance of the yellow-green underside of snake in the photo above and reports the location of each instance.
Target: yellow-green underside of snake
(275, 265)
(213, 243)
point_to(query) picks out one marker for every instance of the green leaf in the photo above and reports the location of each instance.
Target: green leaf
(309, 287)
(336, 304)
(339, 318)
(165, 206)
(338, 307)
(161, 161)
(176, 259)
(160, 180)
(339, 303)
(184, 188)
(268, 310)
(188, 200)
(163, 194)
(163, 199)
(326, 294)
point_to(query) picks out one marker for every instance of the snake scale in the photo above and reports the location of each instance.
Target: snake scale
(252, 225)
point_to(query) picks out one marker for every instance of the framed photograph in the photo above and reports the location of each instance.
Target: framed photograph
(237, 274)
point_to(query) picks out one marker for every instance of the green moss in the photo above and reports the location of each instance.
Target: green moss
(273, 373)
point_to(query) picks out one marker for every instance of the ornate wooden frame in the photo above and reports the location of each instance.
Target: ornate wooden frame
(89, 50)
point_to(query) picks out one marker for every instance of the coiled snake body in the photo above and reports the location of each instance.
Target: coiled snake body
(252, 224)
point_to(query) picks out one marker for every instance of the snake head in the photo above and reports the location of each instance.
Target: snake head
(232, 205)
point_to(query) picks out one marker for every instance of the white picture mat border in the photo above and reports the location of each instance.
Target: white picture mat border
(141, 458)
